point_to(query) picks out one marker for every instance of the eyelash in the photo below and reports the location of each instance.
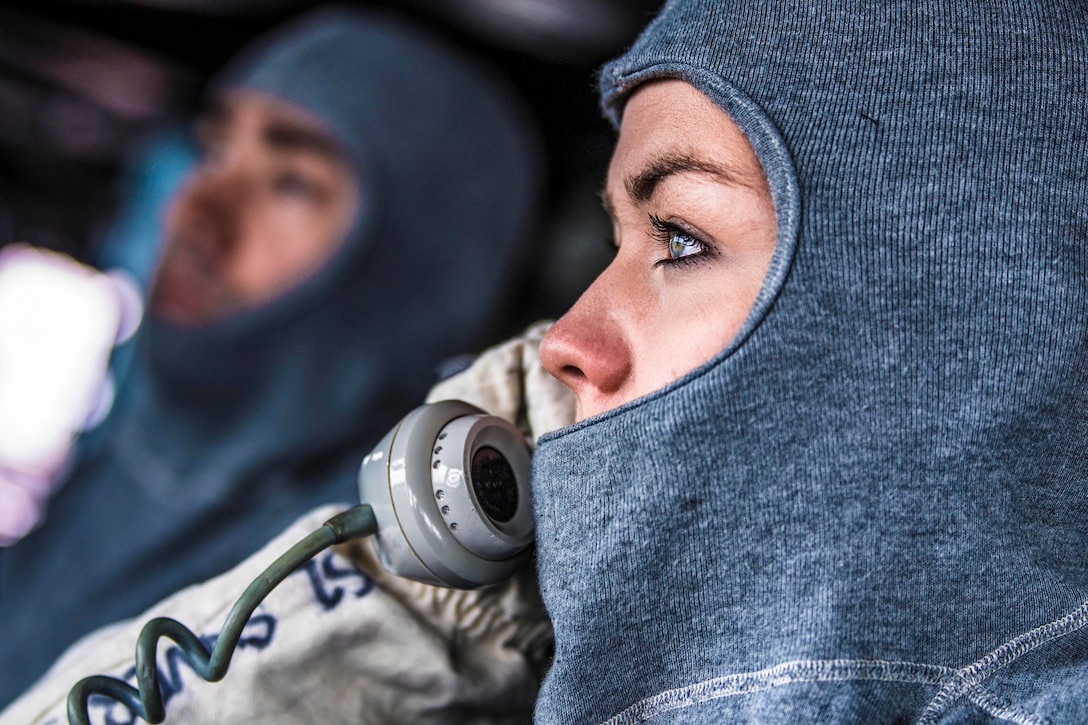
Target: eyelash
(663, 233)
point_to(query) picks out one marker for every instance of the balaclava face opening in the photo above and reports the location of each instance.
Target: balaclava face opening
(876, 492)
(447, 173)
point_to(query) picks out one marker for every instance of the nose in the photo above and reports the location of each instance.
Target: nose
(588, 350)
(205, 211)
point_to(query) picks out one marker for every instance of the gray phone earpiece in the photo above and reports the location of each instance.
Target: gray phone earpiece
(449, 486)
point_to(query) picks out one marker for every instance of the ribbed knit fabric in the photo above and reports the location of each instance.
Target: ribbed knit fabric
(872, 506)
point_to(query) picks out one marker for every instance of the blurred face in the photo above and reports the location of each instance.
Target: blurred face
(694, 229)
(271, 201)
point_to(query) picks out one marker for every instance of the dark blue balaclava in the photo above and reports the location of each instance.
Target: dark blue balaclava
(872, 506)
(224, 434)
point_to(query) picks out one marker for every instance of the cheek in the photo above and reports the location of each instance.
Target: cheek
(692, 325)
(277, 246)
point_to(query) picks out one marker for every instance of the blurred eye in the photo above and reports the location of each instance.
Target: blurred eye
(299, 186)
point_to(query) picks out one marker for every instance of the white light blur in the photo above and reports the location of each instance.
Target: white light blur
(59, 321)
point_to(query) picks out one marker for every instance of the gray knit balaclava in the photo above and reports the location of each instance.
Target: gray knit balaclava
(872, 506)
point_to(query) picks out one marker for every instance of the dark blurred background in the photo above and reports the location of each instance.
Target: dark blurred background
(84, 82)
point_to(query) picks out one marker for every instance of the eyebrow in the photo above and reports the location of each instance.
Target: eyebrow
(294, 138)
(279, 135)
(641, 186)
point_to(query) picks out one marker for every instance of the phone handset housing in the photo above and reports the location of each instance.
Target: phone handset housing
(449, 486)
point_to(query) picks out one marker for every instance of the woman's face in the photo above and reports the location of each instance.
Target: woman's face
(694, 229)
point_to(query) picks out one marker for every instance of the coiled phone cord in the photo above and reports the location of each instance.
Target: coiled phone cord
(146, 700)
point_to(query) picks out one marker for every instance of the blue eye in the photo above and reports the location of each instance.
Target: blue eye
(680, 246)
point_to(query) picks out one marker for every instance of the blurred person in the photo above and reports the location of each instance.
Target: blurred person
(358, 213)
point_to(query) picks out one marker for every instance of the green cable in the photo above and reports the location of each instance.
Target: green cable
(146, 699)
